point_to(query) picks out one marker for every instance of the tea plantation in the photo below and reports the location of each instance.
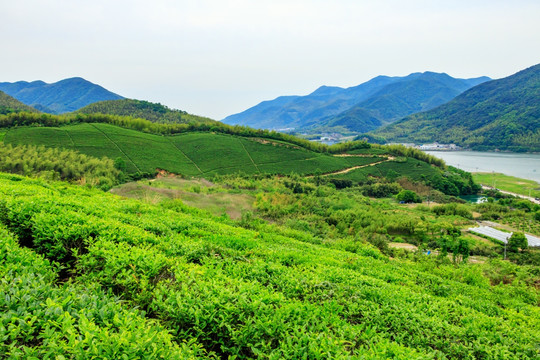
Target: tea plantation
(87, 274)
(189, 154)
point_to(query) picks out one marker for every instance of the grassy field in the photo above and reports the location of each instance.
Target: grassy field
(508, 183)
(190, 154)
(198, 193)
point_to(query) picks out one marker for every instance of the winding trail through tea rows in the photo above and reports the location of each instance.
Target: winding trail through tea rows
(347, 170)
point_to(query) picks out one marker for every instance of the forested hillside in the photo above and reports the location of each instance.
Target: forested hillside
(144, 110)
(502, 114)
(9, 105)
(393, 102)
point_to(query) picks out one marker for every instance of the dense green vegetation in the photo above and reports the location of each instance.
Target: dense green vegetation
(204, 286)
(46, 120)
(296, 251)
(61, 164)
(10, 105)
(338, 211)
(451, 182)
(517, 242)
(42, 318)
(144, 110)
(333, 209)
(143, 147)
(59, 97)
(501, 114)
(191, 154)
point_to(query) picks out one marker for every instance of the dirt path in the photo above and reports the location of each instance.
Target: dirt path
(344, 171)
(249, 155)
(405, 246)
(185, 155)
(70, 138)
(355, 155)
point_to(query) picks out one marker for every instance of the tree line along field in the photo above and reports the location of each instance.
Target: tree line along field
(87, 273)
(190, 154)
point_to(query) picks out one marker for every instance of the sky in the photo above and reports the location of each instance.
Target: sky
(216, 58)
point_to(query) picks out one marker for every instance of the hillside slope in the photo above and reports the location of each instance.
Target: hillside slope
(205, 150)
(166, 281)
(189, 154)
(60, 97)
(501, 114)
(366, 106)
(9, 104)
(142, 109)
(413, 94)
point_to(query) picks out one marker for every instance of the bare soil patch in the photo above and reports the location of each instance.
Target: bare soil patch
(405, 246)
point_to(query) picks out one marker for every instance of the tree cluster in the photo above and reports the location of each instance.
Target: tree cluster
(58, 164)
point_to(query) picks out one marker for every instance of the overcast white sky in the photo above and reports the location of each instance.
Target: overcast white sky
(216, 58)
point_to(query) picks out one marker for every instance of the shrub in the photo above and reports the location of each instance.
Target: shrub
(517, 241)
(380, 190)
(453, 209)
(408, 196)
(341, 183)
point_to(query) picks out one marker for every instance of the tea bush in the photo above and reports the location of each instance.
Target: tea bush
(204, 287)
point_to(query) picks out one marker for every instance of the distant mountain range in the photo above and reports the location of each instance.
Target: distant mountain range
(9, 104)
(361, 108)
(421, 107)
(60, 97)
(79, 95)
(501, 114)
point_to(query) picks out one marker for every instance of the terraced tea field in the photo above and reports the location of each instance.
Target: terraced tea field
(412, 168)
(189, 154)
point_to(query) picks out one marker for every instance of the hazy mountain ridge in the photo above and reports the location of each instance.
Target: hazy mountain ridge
(500, 114)
(300, 111)
(360, 108)
(415, 93)
(60, 97)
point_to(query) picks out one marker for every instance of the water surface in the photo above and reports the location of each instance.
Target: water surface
(526, 166)
(476, 199)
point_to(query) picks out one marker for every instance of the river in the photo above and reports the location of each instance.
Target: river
(526, 166)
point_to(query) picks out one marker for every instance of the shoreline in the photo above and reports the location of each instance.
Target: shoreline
(520, 165)
(530, 198)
